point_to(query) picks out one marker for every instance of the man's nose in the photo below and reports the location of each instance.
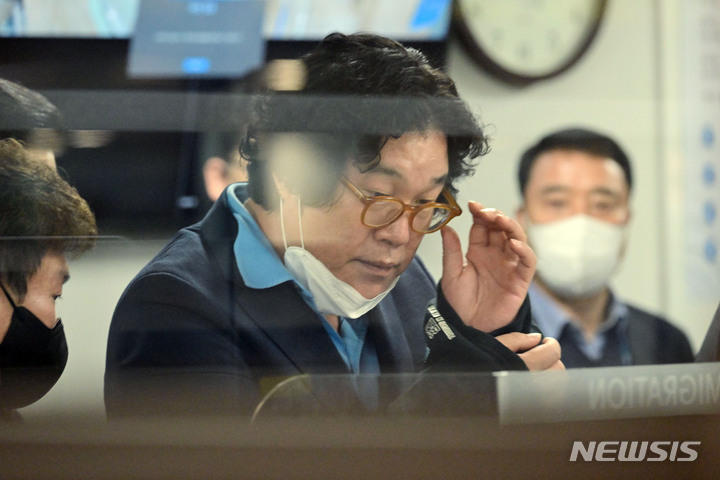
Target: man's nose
(580, 207)
(398, 232)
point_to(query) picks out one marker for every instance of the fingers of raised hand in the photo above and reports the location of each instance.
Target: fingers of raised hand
(453, 257)
(492, 227)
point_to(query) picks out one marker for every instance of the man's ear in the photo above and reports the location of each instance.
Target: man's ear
(521, 215)
(626, 239)
(281, 186)
(215, 172)
(629, 216)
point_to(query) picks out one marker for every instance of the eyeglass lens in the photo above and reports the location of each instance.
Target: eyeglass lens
(383, 212)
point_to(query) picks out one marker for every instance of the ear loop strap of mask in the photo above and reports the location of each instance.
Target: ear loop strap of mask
(282, 223)
(8, 296)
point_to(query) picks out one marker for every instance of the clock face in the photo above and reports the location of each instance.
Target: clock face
(526, 40)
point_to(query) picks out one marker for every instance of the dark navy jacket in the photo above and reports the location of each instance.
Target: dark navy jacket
(188, 336)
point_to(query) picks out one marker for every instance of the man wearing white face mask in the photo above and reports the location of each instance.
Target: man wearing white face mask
(310, 267)
(576, 186)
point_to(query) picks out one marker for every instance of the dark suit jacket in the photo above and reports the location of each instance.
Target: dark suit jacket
(187, 324)
(654, 340)
(651, 340)
(710, 349)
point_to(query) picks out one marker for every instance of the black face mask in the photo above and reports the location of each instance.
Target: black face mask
(32, 357)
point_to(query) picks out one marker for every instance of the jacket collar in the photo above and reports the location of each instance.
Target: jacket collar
(278, 311)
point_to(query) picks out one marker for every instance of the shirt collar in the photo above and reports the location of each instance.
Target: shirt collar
(546, 313)
(617, 314)
(551, 318)
(261, 267)
(256, 258)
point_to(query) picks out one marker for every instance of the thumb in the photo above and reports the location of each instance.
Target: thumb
(519, 342)
(452, 258)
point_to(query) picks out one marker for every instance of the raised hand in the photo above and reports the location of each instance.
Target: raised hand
(487, 285)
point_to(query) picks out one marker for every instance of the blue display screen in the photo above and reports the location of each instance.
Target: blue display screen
(422, 20)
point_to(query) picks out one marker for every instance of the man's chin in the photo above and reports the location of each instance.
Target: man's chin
(372, 291)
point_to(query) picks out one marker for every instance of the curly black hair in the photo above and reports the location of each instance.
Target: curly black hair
(359, 91)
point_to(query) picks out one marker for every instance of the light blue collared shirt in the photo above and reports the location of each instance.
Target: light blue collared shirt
(552, 320)
(260, 267)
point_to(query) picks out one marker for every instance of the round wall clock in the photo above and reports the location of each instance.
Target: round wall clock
(522, 41)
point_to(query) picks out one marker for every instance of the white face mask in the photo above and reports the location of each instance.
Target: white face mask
(332, 296)
(578, 255)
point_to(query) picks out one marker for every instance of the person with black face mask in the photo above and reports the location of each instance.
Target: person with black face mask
(44, 220)
(32, 356)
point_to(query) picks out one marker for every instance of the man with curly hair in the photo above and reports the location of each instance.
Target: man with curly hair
(310, 267)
